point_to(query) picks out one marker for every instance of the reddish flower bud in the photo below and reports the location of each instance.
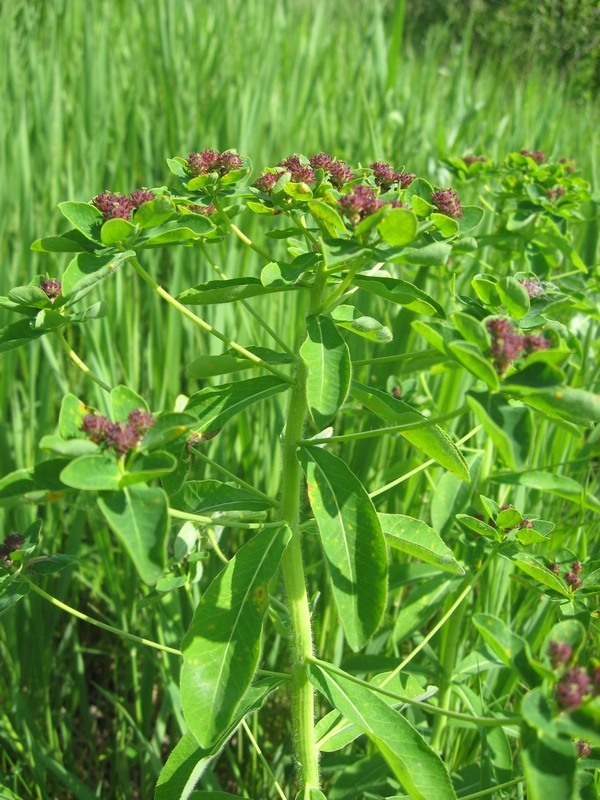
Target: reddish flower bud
(141, 421)
(473, 159)
(202, 163)
(405, 179)
(229, 161)
(384, 175)
(559, 653)
(583, 748)
(298, 171)
(340, 174)
(536, 155)
(554, 568)
(532, 286)
(113, 206)
(526, 523)
(206, 211)
(573, 580)
(554, 194)
(572, 688)
(14, 542)
(51, 288)
(267, 181)
(321, 161)
(141, 196)
(447, 202)
(577, 567)
(360, 204)
(121, 438)
(95, 427)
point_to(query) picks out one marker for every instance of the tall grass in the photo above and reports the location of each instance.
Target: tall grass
(96, 96)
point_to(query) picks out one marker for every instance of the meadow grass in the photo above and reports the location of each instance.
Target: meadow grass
(96, 96)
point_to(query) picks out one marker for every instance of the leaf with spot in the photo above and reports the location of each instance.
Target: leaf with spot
(221, 648)
(328, 362)
(352, 540)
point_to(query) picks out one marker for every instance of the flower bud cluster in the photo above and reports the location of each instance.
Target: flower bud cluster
(474, 159)
(51, 288)
(554, 194)
(447, 202)
(206, 211)
(338, 171)
(507, 345)
(12, 542)
(118, 206)
(212, 161)
(386, 177)
(532, 286)
(536, 155)
(121, 437)
(363, 202)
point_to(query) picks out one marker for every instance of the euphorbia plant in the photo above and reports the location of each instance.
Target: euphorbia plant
(351, 234)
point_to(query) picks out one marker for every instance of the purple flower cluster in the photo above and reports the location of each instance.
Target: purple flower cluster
(118, 206)
(573, 686)
(121, 437)
(363, 202)
(468, 160)
(447, 202)
(583, 748)
(386, 177)
(555, 194)
(569, 163)
(536, 155)
(571, 576)
(51, 288)
(267, 181)
(532, 286)
(338, 171)
(559, 653)
(299, 172)
(507, 345)
(11, 543)
(212, 161)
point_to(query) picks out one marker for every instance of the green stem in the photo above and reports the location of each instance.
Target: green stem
(234, 478)
(224, 522)
(79, 363)
(264, 761)
(303, 701)
(97, 623)
(490, 722)
(364, 362)
(234, 229)
(408, 426)
(249, 308)
(204, 325)
(335, 295)
(493, 789)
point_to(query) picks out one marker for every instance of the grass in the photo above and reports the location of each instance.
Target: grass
(98, 96)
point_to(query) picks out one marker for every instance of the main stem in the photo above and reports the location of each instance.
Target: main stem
(303, 703)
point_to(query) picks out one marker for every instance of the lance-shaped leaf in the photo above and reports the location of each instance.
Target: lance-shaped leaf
(432, 440)
(549, 764)
(349, 317)
(352, 540)
(328, 362)
(417, 767)
(188, 760)
(414, 537)
(400, 292)
(228, 291)
(138, 515)
(509, 427)
(206, 366)
(214, 405)
(209, 497)
(514, 651)
(221, 648)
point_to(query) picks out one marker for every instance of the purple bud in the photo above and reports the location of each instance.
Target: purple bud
(506, 345)
(113, 206)
(122, 438)
(583, 748)
(202, 163)
(446, 201)
(536, 155)
(267, 181)
(321, 161)
(532, 286)
(14, 541)
(51, 288)
(526, 523)
(95, 427)
(554, 194)
(229, 161)
(340, 174)
(360, 204)
(141, 421)
(405, 179)
(559, 653)
(298, 171)
(573, 580)
(577, 567)
(384, 175)
(141, 196)
(554, 568)
(572, 688)
(506, 506)
(206, 211)
(473, 160)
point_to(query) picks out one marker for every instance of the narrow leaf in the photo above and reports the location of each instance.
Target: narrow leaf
(414, 537)
(228, 291)
(209, 497)
(401, 293)
(328, 361)
(214, 405)
(221, 648)
(352, 540)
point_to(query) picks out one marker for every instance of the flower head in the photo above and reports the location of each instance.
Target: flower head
(141, 421)
(267, 181)
(95, 427)
(447, 202)
(532, 286)
(506, 345)
(51, 288)
(468, 160)
(321, 161)
(141, 196)
(340, 174)
(532, 344)
(573, 581)
(536, 155)
(583, 748)
(361, 203)
(300, 173)
(559, 653)
(554, 194)
(206, 211)
(202, 163)
(572, 688)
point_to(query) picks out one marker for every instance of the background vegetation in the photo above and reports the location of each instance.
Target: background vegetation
(96, 96)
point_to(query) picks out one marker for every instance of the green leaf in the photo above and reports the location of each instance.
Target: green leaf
(420, 606)
(87, 270)
(18, 334)
(124, 400)
(49, 565)
(472, 330)
(209, 497)
(147, 467)
(206, 366)
(559, 485)
(350, 318)
(298, 191)
(446, 225)
(399, 227)
(530, 566)
(549, 765)
(435, 254)
(228, 291)
(115, 231)
(486, 288)
(370, 222)
(468, 355)
(72, 412)
(414, 537)
(214, 405)
(85, 218)
(432, 440)
(572, 405)
(138, 515)
(221, 648)
(94, 473)
(188, 761)
(479, 527)
(69, 242)
(352, 540)
(471, 217)
(512, 649)
(514, 297)
(509, 427)
(68, 447)
(283, 274)
(413, 762)
(154, 213)
(29, 296)
(328, 369)
(168, 427)
(12, 589)
(326, 213)
(400, 292)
